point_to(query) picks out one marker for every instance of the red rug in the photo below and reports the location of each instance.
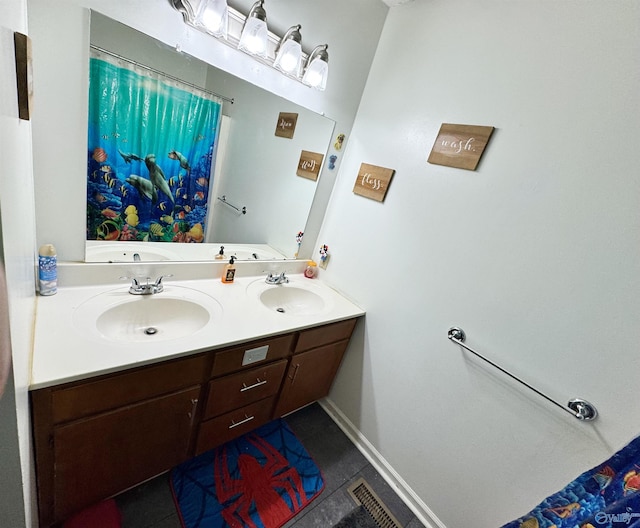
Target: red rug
(260, 480)
(105, 514)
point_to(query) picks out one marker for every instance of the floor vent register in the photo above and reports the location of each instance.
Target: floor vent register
(362, 494)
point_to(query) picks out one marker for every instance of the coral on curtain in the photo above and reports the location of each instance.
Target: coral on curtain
(607, 496)
(152, 143)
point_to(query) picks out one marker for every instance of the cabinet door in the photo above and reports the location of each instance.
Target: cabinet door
(99, 456)
(310, 376)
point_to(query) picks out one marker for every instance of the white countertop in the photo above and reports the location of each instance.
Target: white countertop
(63, 351)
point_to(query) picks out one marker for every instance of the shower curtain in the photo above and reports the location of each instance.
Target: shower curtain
(606, 496)
(152, 143)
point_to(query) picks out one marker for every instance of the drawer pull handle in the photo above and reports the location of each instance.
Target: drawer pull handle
(257, 384)
(246, 419)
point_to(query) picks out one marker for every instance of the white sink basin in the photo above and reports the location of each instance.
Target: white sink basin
(299, 297)
(289, 299)
(176, 313)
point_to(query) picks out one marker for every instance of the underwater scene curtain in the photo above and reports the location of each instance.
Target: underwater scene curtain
(152, 143)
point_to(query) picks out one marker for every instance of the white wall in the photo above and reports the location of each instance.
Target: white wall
(60, 63)
(18, 239)
(535, 254)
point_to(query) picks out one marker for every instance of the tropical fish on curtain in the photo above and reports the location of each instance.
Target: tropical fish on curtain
(151, 147)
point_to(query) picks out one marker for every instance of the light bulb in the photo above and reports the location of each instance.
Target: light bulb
(317, 70)
(212, 15)
(254, 33)
(212, 20)
(288, 58)
(316, 74)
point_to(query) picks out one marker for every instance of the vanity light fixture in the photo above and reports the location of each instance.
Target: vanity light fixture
(289, 51)
(317, 68)
(254, 35)
(251, 35)
(212, 16)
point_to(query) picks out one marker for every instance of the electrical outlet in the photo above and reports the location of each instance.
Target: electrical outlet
(254, 355)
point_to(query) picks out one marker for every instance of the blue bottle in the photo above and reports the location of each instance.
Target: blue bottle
(47, 270)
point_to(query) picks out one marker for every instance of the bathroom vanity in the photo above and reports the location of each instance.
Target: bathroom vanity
(98, 434)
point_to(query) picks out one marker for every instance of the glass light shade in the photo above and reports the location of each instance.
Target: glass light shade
(212, 15)
(288, 57)
(316, 73)
(254, 32)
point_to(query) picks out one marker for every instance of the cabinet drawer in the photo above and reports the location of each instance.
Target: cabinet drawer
(118, 390)
(231, 360)
(219, 430)
(322, 335)
(245, 387)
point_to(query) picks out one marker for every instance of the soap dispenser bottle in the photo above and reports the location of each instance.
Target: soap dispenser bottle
(229, 271)
(311, 269)
(220, 254)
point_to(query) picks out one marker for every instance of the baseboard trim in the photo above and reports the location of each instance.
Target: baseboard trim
(390, 475)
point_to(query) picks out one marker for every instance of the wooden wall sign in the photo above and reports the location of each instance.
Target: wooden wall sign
(24, 84)
(373, 182)
(286, 125)
(460, 146)
(309, 165)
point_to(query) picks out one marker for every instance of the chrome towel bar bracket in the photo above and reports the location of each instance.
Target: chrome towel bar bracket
(577, 407)
(223, 199)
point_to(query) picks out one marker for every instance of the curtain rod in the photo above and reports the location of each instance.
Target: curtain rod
(158, 72)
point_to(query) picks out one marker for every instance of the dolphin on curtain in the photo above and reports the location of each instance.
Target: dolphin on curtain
(157, 176)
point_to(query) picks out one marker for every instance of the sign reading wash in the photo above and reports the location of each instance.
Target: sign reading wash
(460, 146)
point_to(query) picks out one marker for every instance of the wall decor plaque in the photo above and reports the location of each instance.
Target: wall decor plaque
(460, 146)
(309, 165)
(286, 125)
(24, 66)
(373, 181)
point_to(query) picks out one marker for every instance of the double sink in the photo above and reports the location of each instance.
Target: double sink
(94, 326)
(180, 311)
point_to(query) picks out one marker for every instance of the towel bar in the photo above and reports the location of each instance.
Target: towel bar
(223, 199)
(577, 407)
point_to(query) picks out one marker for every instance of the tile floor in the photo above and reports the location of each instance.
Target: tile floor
(150, 505)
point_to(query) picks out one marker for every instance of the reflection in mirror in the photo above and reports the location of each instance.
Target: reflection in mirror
(254, 169)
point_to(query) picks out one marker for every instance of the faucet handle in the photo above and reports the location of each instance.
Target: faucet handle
(159, 279)
(157, 285)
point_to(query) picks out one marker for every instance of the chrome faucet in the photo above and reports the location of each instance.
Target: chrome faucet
(276, 279)
(147, 288)
(136, 257)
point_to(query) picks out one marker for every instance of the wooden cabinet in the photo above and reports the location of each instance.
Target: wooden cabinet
(96, 438)
(314, 365)
(102, 455)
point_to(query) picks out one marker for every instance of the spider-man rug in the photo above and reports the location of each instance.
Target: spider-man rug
(260, 480)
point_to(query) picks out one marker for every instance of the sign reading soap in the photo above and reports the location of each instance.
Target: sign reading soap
(460, 146)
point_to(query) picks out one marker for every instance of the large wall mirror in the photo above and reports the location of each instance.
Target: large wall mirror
(254, 169)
